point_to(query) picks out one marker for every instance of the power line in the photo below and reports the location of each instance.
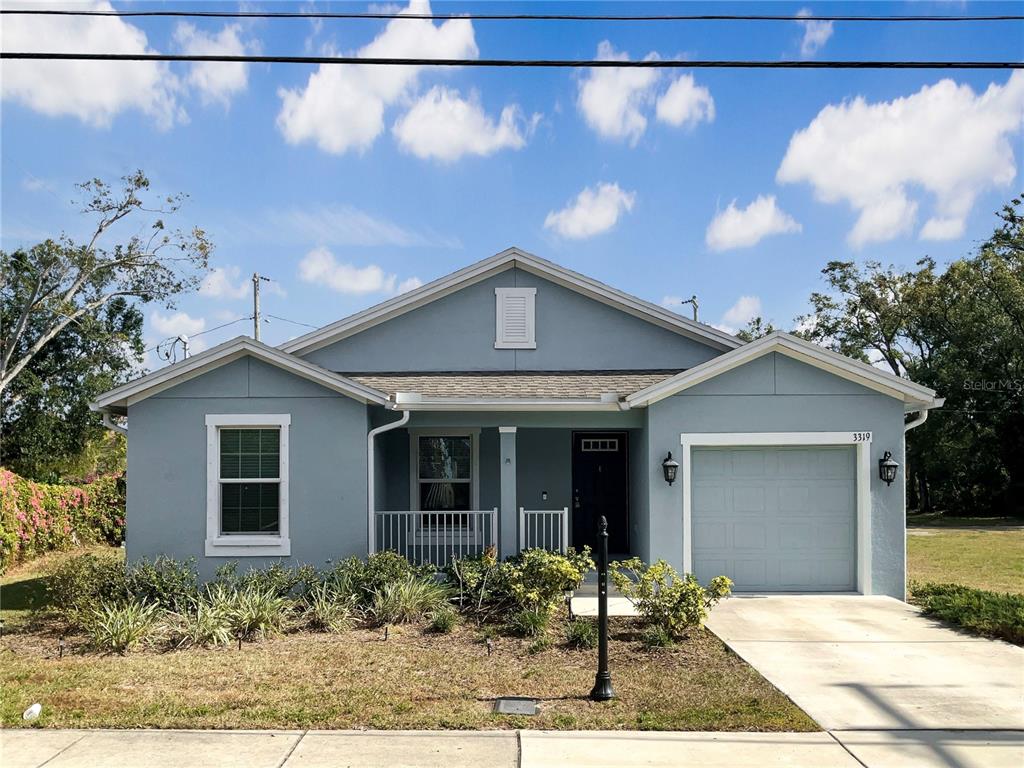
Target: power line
(208, 330)
(517, 63)
(294, 322)
(516, 16)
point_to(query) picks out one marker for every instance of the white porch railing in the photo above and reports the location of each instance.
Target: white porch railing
(544, 529)
(436, 537)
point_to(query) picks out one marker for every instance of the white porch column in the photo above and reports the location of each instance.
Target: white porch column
(508, 514)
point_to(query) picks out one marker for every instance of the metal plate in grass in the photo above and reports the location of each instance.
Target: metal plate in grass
(515, 705)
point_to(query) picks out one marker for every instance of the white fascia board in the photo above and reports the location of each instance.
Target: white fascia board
(414, 401)
(215, 357)
(507, 259)
(798, 349)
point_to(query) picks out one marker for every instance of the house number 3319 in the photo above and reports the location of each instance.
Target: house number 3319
(862, 437)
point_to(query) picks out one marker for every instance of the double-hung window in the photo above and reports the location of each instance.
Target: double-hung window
(444, 477)
(247, 484)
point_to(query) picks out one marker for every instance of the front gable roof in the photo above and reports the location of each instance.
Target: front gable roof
(481, 270)
(914, 396)
(117, 400)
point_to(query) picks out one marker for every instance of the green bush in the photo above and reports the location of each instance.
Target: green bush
(990, 614)
(529, 622)
(400, 602)
(121, 626)
(171, 584)
(663, 598)
(36, 518)
(205, 624)
(77, 586)
(365, 578)
(327, 609)
(535, 580)
(655, 636)
(281, 580)
(254, 610)
(444, 619)
(581, 634)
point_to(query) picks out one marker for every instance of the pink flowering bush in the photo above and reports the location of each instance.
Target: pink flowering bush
(38, 517)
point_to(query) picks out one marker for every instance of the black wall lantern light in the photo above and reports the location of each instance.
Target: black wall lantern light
(670, 466)
(887, 468)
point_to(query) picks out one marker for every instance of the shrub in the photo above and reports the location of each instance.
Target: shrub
(529, 622)
(327, 609)
(171, 584)
(36, 518)
(365, 578)
(665, 599)
(538, 580)
(991, 614)
(535, 580)
(656, 636)
(205, 624)
(122, 626)
(399, 602)
(581, 634)
(281, 580)
(444, 619)
(77, 586)
(253, 611)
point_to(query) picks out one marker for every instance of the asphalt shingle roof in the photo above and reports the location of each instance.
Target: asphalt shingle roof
(522, 385)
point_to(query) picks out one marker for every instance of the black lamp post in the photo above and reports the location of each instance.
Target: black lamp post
(670, 467)
(602, 690)
(887, 468)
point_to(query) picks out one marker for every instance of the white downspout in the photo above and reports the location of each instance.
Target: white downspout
(110, 424)
(917, 421)
(371, 529)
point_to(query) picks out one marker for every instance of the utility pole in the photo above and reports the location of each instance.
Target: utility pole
(692, 300)
(256, 278)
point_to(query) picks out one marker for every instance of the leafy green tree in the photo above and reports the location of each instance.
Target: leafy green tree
(71, 326)
(755, 329)
(57, 283)
(961, 332)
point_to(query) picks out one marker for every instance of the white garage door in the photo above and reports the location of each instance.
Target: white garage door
(776, 519)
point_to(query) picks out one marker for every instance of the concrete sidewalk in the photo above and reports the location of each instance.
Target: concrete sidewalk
(33, 748)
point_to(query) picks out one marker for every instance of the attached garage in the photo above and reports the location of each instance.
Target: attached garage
(776, 518)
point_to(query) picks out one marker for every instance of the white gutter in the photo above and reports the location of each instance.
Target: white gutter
(371, 530)
(917, 421)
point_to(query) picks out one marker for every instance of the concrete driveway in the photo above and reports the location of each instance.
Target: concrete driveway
(878, 675)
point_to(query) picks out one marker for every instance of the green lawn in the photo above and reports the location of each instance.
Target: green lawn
(991, 559)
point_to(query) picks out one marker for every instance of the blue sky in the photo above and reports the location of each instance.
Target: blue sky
(348, 186)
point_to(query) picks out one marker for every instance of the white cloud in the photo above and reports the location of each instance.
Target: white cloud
(685, 103)
(443, 125)
(592, 212)
(225, 283)
(347, 226)
(176, 324)
(945, 139)
(743, 311)
(216, 82)
(92, 91)
(320, 266)
(672, 302)
(341, 108)
(816, 34)
(409, 284)
(613, 100)
(743, 227)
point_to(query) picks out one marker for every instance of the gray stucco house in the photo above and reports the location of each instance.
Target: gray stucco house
(512, 403)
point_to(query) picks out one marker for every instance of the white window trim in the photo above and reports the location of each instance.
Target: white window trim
(473, 433)
(860, 439)
(530, 295)
(218, 545)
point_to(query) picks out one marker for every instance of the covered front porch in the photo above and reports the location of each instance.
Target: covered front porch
(451, 484)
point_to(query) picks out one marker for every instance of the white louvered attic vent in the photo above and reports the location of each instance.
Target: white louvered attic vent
(514, 316)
